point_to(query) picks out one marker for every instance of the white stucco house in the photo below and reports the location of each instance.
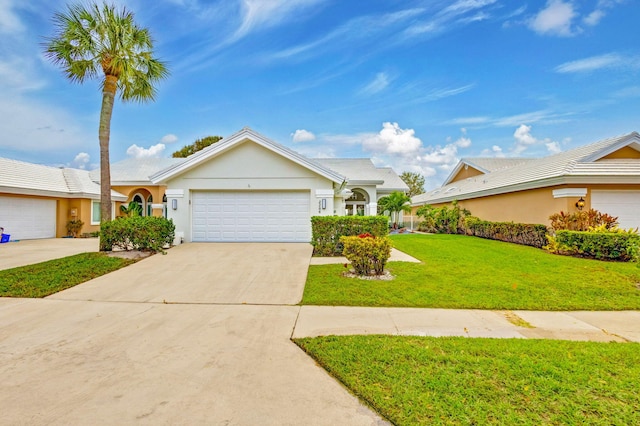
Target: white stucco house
(249, 188)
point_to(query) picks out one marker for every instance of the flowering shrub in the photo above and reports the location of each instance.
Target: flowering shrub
(582, 220)
(368, 254)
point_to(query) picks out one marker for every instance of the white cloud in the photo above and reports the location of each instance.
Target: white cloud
(153, 151)
(553, 147)
(555, 19)
(593, 63)
(600, 11)
(302, 135)
(9, 21)
(525, 140)
(494, 151)
(267, 13)
(393, 140)
(379, 83)
(81, 161)
(169, 139)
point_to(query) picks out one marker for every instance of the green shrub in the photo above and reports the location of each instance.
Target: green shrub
(146, 233)
(519, 233)
(582, 220)
(618, 245)
(443, 220)
(368, 254)
(327, 230)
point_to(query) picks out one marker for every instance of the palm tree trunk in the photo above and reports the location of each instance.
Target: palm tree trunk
(108, 97)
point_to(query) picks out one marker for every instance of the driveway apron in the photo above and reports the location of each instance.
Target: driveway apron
(170, 340)
(250, 273)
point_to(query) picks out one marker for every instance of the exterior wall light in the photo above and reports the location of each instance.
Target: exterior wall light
(580, 203)
(174, 204)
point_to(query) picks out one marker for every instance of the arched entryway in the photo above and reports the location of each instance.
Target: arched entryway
(356, 205)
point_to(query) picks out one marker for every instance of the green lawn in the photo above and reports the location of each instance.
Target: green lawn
(43, 279)
(426, 380)
(469, 272)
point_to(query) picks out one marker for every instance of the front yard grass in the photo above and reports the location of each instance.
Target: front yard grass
(473, 273)
(456, 380)
(43, 279)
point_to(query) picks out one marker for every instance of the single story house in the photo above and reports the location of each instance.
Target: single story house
(38, 201)
(604, 175)
(244, 188)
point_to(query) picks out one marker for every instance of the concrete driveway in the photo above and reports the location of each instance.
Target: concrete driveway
(110, 351)
(249, 273)
(28, 252)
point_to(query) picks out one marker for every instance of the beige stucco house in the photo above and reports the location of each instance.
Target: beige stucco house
(604, 174)
(244, 188)
(37, 201)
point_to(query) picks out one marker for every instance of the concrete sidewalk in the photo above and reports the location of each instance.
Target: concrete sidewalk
(619, 326)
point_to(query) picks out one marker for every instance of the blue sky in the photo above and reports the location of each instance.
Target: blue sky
(415, 85)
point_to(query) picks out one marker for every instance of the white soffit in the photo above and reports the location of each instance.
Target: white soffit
(569, 192)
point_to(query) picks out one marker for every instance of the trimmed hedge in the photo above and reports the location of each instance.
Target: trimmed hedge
(368, 254)
(621, 246)
(327, 230)
(146, 233)
(520, 233)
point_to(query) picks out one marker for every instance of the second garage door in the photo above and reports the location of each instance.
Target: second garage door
(28, 218)
(623, 204)
(276, 216)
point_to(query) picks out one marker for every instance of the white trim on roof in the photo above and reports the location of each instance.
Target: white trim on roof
(229, 142)
(463, 162)
(569, 192)
(115, 196)
(630, 139)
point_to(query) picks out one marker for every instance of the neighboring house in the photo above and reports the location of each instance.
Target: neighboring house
(604, 174)
(38, 201)
(244, 188)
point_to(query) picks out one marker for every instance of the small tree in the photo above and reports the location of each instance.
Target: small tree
(415, 182)
(395, 203)
(198, 145)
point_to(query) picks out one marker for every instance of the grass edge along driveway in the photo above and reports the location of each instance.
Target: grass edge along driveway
(461, 272)
(46, 278)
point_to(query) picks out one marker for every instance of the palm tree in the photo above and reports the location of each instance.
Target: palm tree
(395, 202)
(102, 42)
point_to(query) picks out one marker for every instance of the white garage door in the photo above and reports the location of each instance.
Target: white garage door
(251, 216)
(28, 218)
(623, 204)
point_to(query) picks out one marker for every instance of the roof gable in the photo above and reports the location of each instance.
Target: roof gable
(231, 142)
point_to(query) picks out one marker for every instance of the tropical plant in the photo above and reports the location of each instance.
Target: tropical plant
(395, 203)
(582, 220)
(198, 145)
(131, 209)
(105, 42)
(415, 182)
(443, 220)
(74, 227)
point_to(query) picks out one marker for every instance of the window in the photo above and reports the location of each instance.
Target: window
(95, 212)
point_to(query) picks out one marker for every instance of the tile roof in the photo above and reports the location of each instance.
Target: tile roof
(362, 171)
(136, 170)
(575, 166)
(18, 177)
